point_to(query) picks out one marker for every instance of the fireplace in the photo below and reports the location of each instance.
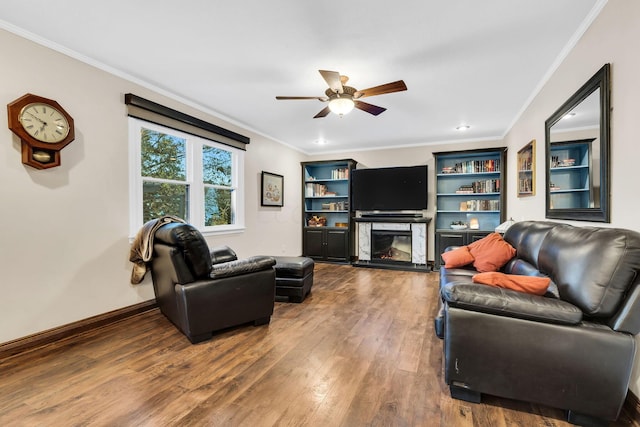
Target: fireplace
(392, 242)
(389, 245)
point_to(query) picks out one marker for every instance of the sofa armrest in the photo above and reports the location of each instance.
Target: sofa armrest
(505, 302)
(243, 266)
(221, 254)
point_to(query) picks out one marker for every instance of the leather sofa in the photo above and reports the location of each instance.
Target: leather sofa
(572, 348)
(202, 291)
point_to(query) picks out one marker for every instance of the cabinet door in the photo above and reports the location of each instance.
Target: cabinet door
(314, 243)
(337, 245)
(472, 237)
(446, 239)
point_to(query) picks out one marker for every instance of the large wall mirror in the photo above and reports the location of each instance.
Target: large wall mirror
(577, 154)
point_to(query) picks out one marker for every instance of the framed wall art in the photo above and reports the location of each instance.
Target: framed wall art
(272, 189)
(527, 170)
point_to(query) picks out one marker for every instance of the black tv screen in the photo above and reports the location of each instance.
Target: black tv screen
(389, 189)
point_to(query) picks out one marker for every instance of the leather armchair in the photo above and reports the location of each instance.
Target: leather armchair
(572, 348)
(202, 291)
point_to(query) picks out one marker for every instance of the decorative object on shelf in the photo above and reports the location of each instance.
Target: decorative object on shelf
(474, 224)
(272, 189)
(527, 170)
(44, 128)
(458, 225)
(317, 221)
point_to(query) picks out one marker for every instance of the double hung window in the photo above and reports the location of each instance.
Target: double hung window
(193, 178)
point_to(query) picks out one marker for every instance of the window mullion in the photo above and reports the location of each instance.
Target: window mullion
(195, 182)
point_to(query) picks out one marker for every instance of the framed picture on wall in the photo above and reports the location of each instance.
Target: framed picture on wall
(272, 189)
(527, 170)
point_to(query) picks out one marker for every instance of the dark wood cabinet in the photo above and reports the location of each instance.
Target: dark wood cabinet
(326, 244)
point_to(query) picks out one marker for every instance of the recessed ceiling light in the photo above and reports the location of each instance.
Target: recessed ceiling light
(568, 115)
(463, 127)
(321, 141)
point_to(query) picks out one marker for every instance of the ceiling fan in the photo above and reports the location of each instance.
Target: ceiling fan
(342, 98)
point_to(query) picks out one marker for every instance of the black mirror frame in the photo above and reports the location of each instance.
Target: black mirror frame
(600, 80)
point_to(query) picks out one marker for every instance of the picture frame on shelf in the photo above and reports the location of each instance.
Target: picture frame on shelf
(271, 189)
(527, 170)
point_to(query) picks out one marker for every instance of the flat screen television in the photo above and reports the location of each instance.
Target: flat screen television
(389, 189)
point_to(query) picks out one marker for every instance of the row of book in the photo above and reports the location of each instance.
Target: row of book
(335, 206)
(474, 166)
(340, 173)
(484, 186)
(480, 205)
(316, 190)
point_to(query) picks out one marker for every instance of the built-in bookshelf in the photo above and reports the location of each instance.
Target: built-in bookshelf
(470, 195)
(327, 219)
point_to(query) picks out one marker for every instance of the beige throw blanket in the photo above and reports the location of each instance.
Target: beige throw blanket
(142, 246)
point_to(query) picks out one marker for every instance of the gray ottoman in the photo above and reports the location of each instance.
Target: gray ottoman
(294, 278)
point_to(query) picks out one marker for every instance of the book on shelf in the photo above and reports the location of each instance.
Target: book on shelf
(315, 190)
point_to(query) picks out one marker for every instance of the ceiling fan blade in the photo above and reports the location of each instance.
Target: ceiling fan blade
(333, 80)
(369, 108)
(325, 111)
(319, 98)
(379, 90)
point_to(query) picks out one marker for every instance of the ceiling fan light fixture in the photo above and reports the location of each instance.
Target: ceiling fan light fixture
(341, 105)
(462, 128)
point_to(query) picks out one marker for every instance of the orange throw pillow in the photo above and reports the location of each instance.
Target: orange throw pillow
(528, 284)
(491, 253)
(457, 257)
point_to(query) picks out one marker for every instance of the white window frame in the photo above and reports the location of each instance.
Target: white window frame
(194, 179)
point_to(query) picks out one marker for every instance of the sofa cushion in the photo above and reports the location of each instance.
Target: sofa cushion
(457, 257)
(491, 253)
(527, 284)
(527, 237)
(592, 267)
(295, 267)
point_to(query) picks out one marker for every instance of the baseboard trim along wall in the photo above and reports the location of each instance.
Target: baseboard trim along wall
(39, 339)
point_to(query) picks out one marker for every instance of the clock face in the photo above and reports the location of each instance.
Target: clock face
(44, 122)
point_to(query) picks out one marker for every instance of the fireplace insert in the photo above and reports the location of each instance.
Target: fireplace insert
(391, 245)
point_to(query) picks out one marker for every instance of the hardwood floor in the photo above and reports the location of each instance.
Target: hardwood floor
(360, 351)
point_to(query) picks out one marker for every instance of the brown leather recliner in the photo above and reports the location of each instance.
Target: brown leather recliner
(572, 348)
(202, 291)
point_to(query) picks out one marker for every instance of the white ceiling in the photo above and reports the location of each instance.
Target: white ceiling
(463, 61)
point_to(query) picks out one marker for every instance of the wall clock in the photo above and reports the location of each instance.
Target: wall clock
(44, 128)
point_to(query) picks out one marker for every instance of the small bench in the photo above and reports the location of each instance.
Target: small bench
(294, 278)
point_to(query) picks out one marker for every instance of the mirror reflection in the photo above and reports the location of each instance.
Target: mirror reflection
(577, 154)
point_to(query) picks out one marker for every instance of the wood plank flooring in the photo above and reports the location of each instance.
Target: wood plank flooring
(360, 351)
